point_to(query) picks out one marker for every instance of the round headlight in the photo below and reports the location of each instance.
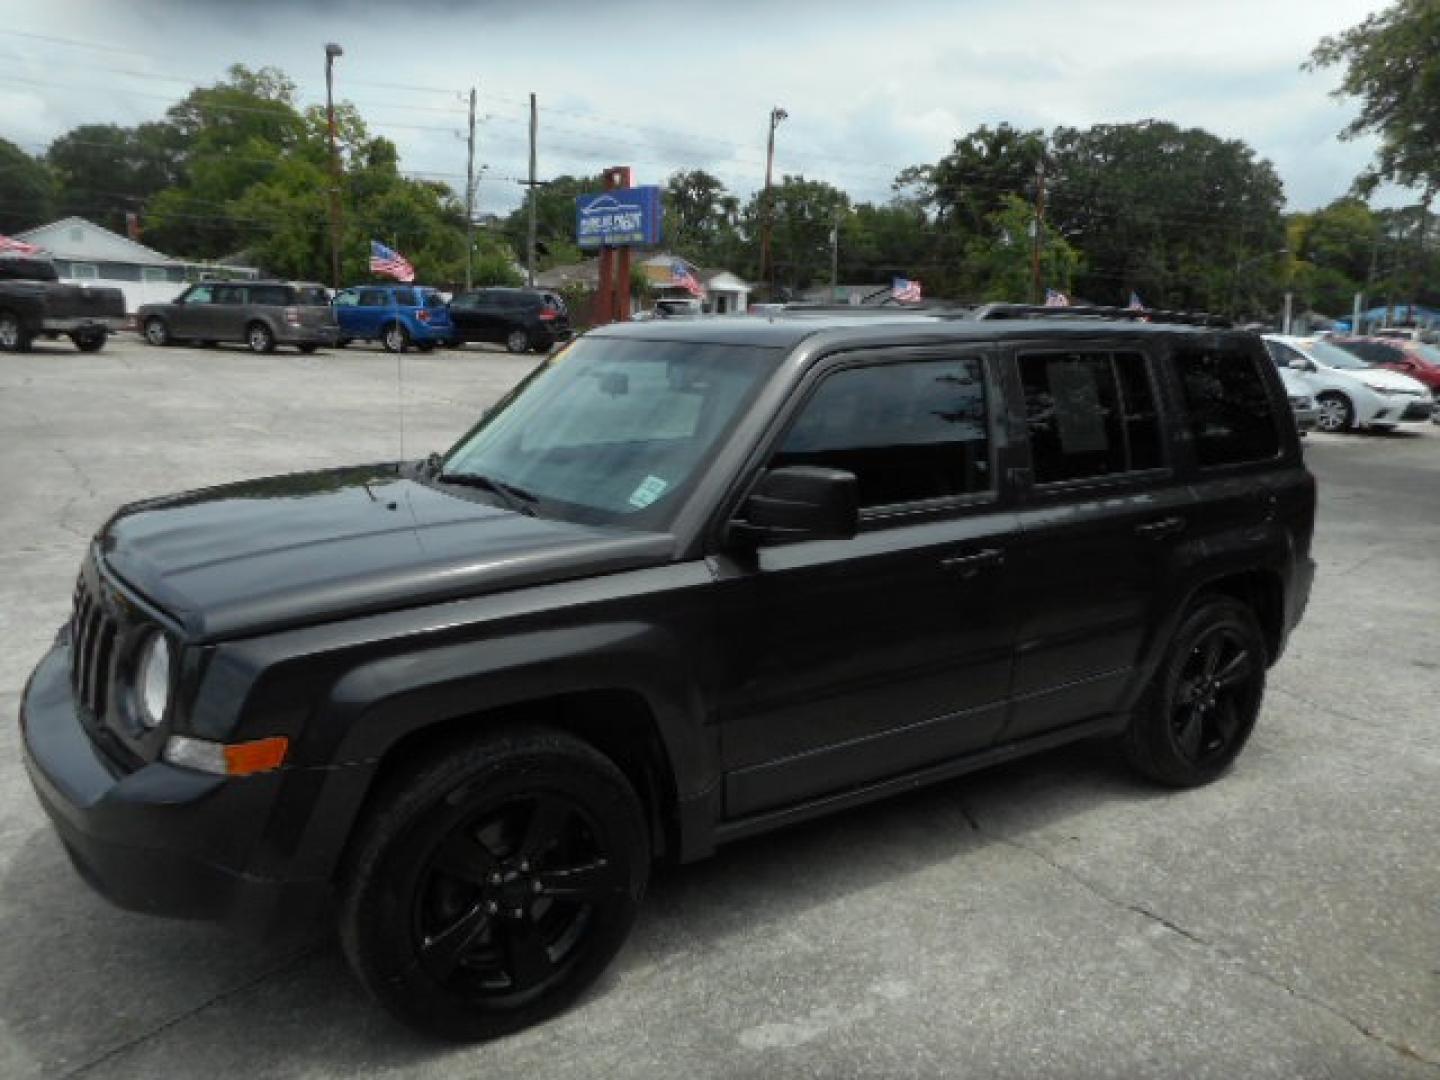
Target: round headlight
(153, 684)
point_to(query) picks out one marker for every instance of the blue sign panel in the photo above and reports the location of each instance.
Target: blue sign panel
(619, 218)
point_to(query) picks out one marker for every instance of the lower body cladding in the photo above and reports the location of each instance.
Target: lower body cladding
(171, 841)
(82, 323)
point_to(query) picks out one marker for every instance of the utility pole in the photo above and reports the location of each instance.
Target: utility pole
(470, 198)
(530, 243)
(767, 271)
(333, 50)
(835, 258)
(1036, 295)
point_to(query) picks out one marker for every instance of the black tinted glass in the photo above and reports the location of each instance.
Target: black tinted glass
(1229, 405)
(311, 296)
(1089, 414)
(373, 298)
(229, 294)
(909, 432)
(405, 297)
(273, 295)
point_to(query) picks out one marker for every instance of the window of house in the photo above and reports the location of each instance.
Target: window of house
(1231, 419)
(154, 274)
(84, 271)
(1089, 414)
(910, 432)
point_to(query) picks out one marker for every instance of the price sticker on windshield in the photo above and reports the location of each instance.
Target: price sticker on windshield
(649, 490)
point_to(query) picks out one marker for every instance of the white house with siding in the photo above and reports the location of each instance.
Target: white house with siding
(87, 254)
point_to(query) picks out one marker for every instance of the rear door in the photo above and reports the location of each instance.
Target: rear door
(227, 315)
(867, 658)
(371, 311)
(1103, 515)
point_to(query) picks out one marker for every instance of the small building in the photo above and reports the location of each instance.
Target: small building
(87, 254)
(725, 293)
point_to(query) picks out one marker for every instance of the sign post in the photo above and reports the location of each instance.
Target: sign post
(613, 221)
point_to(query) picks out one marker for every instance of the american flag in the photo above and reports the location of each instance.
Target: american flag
(905, 290)
(384, 260)
(1055, 298)
(681, 275)
(17, 247)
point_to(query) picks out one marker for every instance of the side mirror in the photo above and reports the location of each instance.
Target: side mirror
(799, 503)
(1299, 364)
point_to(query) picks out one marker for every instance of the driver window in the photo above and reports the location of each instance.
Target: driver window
(200, 294)
(347, 298)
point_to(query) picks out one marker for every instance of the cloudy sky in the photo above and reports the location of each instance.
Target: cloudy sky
(870, 88)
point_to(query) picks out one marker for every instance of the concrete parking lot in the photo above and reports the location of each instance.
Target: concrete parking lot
(1053, 917)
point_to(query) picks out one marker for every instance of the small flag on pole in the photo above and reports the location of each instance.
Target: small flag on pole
(391, 263)
(905, 290)
(17, 247)
(1055, 298)
(681, 275)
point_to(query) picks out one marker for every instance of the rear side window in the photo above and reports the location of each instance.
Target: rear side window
(229, 294)
(272, 295)
(432, 299)
(405, 298)
(310, 296)
(374, 298)
(910, 432)
(1089, 414)
(1231, 419)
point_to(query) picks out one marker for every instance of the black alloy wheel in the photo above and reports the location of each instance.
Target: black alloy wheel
(517, 341)
(13, 337)
(1203, 701)
(495, 884)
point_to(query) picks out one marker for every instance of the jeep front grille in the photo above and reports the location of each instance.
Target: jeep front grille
(92, 636)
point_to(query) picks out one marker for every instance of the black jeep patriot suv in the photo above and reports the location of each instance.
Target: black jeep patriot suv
(688, 582)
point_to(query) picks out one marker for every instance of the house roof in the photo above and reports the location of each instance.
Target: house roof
(74, 238)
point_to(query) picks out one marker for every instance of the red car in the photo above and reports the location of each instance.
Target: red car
(1413, 358)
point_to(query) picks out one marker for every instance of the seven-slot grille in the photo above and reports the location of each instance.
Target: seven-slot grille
(92, 635)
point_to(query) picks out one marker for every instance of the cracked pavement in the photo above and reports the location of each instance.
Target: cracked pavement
(1052, 917)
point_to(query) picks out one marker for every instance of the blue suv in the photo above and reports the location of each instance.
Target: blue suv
(397, 316)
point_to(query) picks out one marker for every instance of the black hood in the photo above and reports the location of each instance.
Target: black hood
(294, 550)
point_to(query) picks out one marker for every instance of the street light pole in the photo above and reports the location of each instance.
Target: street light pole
(767, 273)
(333, 50)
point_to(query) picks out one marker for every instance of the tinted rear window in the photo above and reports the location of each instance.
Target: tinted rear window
(405, 297)
(1231, 419)
(433, 299)
(273, 295)
(311, 297)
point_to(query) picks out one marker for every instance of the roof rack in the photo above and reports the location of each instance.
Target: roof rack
(1040, 311)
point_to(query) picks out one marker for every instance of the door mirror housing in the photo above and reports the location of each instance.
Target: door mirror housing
(800, 502)
(1301, 364)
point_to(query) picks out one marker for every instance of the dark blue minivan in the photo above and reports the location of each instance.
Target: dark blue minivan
(397, 316)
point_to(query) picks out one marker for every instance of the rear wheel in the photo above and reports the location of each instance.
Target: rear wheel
(395, 339)
(259, 338)
(13, 337)
(517, 341)
(1203, 700)
(340, 343)
(1336, 412)
(494, 882)
(156, 332)
(307, 349)
(89, 340)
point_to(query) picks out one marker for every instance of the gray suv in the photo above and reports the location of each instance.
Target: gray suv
(262, 314)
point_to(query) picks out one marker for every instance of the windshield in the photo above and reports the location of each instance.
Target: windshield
(615, 430)
(1334, 356)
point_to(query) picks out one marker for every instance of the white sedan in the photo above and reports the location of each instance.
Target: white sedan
(1348, 392)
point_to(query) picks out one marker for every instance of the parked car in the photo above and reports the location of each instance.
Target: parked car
(34, 304)
(1409, 333)
(262, 314)
(1350, 393)
(1302, 401)
(688, 583)
(397, 316)
(1408, 356)
(521, 319)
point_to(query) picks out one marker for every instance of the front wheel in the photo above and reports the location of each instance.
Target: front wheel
(494, 882)
(13, 337)
(1336, 413)
(307, 349)
(1203, 699)
(517, 341)
(156, 332)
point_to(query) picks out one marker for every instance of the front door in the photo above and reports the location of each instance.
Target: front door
(1101, 519)
(189, 316)
(227, 315)
(866, 658)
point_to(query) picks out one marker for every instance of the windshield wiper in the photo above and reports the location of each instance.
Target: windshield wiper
(514, 498)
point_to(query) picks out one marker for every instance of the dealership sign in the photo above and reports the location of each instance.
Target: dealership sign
(619, 218)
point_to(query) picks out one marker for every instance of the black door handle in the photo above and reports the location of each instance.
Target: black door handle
(972, 564)
(1154, 530)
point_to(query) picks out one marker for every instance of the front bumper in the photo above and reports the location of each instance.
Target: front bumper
(160, 839)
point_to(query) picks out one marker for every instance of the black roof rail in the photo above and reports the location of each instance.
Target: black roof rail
(1082, 311)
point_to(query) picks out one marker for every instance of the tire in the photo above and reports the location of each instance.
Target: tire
(517, 341)
(1201, 705)
(426, 347)
(89, 340)
(467, 847)
(395, 338)
(259, 338)
(13, 337)
(340, 343)
(307, 349)
(1336, 412)
(156, 332)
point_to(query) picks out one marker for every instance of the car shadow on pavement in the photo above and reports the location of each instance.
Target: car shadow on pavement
(83, 983)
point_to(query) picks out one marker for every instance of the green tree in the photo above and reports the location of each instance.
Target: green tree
(103, 171)
(1000, 257)
(554, 220)
(1334, 254)
(701, 217)
(983, 169)
(804, 212)
(27, 190)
